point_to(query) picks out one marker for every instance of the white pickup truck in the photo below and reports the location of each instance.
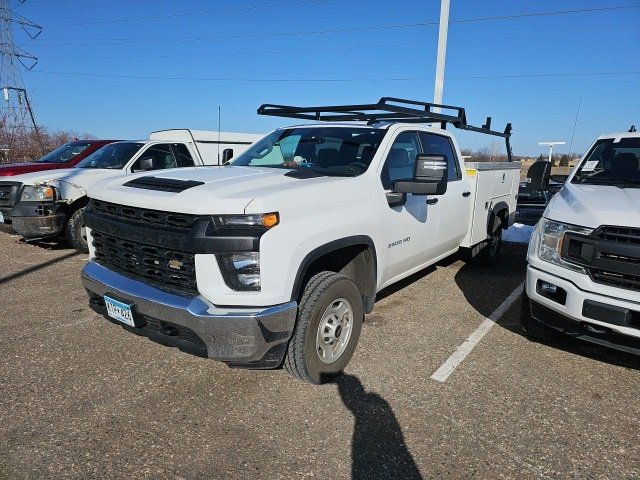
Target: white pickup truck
(275, 258)
(45, 204)
(583, 274)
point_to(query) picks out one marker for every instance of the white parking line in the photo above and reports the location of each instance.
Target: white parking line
(465, 349)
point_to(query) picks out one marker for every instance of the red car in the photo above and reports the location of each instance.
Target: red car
(65, 156)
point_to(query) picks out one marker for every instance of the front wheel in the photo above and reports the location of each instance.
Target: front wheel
(76, 232)
(327, 330)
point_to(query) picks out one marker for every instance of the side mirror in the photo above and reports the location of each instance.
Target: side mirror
(429, 177)
(227, 154)
(146, 163)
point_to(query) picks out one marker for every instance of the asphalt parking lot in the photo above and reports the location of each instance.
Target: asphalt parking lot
(82, 398)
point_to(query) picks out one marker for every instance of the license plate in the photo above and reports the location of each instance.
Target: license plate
(1, 218)
(119, 311)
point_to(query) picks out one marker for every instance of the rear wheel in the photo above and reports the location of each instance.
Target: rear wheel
(489, 252)
(327, 330)
(76, 232)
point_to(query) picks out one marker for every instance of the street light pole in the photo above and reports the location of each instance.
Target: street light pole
(551, 145)
(442, 53)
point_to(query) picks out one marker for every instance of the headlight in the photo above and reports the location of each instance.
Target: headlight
(241, 271)
(546, 242)
(260, 221)
(37, 194)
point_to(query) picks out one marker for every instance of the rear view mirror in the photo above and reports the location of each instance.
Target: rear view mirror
(429, 177)
(227, 154)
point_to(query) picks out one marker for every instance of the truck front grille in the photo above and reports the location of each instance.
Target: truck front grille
(165, 268)
(614, 279)
(619, 247)
(144, 216)
(9, 192)
(624, 235)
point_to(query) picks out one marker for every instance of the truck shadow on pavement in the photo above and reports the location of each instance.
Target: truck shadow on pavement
(486, 288)
(378, 449)
(37, 267)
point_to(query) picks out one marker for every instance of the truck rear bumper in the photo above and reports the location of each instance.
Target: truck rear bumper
(241, 337)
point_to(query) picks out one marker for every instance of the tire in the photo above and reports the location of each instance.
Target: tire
(74, 231)
(322, 320)
(489, 252)
(531, 327)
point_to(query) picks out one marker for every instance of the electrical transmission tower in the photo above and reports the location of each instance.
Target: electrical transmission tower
(17, 121)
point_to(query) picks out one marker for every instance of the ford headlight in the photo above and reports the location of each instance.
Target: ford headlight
(547, 240)
(40, 193)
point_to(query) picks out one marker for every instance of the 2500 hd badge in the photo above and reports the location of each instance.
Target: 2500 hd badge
(399, 242)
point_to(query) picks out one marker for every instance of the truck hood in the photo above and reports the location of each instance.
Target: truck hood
(81, 177)
(12, 169)
(594, 205)
(228, 189)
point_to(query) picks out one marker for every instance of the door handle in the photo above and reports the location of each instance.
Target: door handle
(466, 194)
(432, 201)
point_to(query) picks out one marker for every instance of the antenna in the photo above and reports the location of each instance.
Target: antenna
(16, 115)
(574, 125)
(551, 145)
(219, 118)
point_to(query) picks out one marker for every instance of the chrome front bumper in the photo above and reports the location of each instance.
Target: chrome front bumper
(242, 337)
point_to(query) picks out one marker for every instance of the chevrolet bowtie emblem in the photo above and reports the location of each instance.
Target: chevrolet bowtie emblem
(175, 264)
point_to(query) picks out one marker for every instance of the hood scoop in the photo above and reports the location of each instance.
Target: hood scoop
(303, 173)
(163, 184)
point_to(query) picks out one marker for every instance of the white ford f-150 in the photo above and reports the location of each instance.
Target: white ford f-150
(45, 204)
(275, 258)
(583, 274)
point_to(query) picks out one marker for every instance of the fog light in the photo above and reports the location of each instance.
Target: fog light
(548, 288)
(552, 292)
(241, 271)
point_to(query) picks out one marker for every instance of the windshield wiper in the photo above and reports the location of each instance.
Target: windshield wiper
(609, 181)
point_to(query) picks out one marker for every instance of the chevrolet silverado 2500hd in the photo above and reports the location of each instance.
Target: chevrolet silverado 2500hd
(583, 274)
(45, 204)
(276, 257)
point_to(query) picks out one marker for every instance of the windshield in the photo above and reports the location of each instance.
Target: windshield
(336, 151)
(64, 153)
(113, 156)
(611, 163)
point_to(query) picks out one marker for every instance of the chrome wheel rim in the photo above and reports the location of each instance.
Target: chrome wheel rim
(334, 330)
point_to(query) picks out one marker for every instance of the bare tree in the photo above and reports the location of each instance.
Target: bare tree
(25, 145)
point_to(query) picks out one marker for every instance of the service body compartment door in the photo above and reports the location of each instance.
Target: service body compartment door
(495, 185)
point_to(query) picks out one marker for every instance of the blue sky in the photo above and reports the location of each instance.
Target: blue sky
(230, 54)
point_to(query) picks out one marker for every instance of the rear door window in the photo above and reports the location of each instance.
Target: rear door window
(182, 155)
